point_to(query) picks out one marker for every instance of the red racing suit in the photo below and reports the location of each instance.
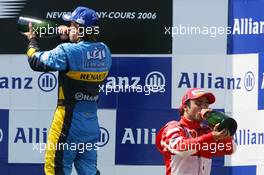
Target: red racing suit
(188, 146)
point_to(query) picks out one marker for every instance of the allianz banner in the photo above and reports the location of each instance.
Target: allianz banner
(127, 27)
(3, 136)
(137, 82)
(246, 24)
(136, 132)
(261, 82)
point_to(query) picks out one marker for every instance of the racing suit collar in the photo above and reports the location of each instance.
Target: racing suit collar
(191, 124)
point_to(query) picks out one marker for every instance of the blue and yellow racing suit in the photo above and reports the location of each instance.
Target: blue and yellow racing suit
(74, 132)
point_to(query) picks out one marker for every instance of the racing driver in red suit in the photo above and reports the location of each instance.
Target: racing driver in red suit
(188, 145)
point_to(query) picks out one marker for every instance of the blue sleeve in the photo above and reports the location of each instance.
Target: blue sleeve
(53, 60)
(109, 57)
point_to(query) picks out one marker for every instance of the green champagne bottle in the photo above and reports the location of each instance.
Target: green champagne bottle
(41, 27)
(215, 117)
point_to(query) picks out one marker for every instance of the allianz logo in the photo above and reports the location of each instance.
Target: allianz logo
(46, 82)
(16, 82)
(40, 135)
(154, 81)
(212, 81)
(1, 135)
(262, 81)
(30, 135)
(138, 136)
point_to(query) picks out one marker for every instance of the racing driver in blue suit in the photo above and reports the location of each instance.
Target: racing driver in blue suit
(83, 64)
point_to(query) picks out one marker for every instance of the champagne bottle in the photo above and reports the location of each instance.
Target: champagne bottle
(41, 27)
(226, 122)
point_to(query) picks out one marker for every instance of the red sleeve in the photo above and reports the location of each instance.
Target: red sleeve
(174, 139)
(217, 148)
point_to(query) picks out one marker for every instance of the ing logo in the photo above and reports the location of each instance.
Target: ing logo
(47, 82)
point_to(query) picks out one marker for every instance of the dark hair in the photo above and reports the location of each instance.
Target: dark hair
(181, 110)
(188, 102)
(90, 36)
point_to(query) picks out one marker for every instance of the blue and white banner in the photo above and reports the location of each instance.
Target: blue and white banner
(261, 82)
(136, 135)
(145, 81)
(18, 82)
(246, 25)
(4, 135)
(217, 45)
(231, 78)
